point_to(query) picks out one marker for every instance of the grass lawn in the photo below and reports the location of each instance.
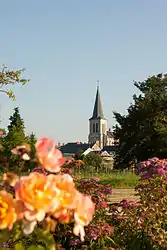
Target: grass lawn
(116, 180)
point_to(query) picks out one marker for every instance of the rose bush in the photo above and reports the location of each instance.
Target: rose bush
(42, 199)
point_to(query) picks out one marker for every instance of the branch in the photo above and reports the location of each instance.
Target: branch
(10, 77)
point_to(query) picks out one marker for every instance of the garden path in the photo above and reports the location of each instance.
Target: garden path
(123, 193)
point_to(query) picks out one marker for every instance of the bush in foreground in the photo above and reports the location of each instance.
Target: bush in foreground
(33, 205)
(143, 224)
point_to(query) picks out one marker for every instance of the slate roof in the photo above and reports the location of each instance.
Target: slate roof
(110, 148)
(98, 110)
(73, 147)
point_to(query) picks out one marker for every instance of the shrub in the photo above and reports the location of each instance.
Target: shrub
(33, 205)
(143, 225)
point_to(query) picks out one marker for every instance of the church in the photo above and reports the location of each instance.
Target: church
(98, 130)
(100, 139)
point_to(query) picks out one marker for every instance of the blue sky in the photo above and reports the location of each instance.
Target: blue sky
(66, 46)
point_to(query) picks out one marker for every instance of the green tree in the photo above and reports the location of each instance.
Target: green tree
(143, 131)
(10, 78)
(13, 138)
(16, 120)
(31, 141)
(93, 160)
(15, 135)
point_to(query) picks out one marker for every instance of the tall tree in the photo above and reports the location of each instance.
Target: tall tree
(16, 120)
(143, 131)
(13, 138)
(16, 135)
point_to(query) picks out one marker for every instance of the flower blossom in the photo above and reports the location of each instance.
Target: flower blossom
(23, 151)
(64, 183)
(83, 214)
(39, 195)
(56, 196)
(48, 155)
(45, 194)
(72, 202)
(154, 166)
(8, 213)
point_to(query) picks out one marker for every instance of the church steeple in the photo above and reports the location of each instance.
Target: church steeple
(98, 110)
(97, 123)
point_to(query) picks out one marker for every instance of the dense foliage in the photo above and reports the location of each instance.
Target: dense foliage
(93, 160)
(143, 131)
(143, 224)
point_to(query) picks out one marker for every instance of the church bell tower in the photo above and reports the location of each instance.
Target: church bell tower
(97, 123)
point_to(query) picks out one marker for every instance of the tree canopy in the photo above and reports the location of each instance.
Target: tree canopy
(16, 120)
(92, 159)
(15, 135)
(143, 131)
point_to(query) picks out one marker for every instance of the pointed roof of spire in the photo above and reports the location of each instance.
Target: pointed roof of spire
(98, 111)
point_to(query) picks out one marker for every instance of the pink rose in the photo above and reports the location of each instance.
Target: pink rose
(48, 155)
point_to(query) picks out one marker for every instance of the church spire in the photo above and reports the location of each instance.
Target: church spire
(98, 111)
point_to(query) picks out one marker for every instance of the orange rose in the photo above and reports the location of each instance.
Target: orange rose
(67, 197)
(8, 214)
(38, 194)
(48, 156)
(64, 183)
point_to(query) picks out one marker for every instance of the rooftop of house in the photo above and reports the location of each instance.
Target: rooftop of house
(73, 147)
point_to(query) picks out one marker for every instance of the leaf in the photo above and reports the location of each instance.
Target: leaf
(19, 246)
(4, 235)
(45, 237)
(16, 232)
(36, 248)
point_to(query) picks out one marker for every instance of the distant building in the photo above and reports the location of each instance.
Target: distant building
(98, 126)
(100, 139)
(72, 148)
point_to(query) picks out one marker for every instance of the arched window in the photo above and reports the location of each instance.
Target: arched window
(93, 128)
(97, 129)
